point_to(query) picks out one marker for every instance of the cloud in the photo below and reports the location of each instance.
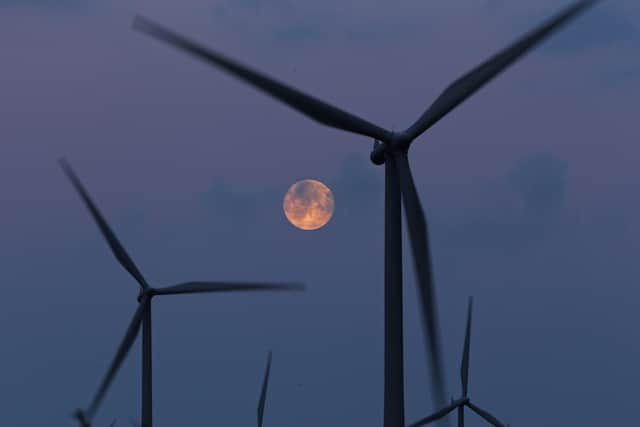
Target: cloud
(233, 210)
(286, 23)
(536, 192)
(298, 33)
(356, 187)
(603, 26)
(620, 76)
(541, 182)
(50, 5)
(357, 184)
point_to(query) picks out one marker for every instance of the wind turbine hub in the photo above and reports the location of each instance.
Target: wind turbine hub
(148, 292)
(399, 142)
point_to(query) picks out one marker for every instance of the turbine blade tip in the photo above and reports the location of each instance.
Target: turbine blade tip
(138, 20)
(145, 25)
(65, 165)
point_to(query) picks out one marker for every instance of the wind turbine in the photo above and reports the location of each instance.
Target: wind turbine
(464, 378)
(142, 316)
(391, 149)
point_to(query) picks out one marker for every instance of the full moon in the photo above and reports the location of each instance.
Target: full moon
(308, 204)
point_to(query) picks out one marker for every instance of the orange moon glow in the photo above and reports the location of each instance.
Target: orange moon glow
(308, 204)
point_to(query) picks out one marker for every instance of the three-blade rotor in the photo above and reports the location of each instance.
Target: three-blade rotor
(395, 145)
(464, 376)
(146, 294)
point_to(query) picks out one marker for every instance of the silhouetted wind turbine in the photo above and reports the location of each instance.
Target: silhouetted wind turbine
(142, 316)
(464, 378)
(263, 391)
(390, 148)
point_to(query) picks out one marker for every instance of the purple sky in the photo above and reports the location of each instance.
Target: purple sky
(530, 188)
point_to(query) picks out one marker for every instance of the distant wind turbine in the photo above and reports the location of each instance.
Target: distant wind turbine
(390, 148)
(464, 378)
(142, 316)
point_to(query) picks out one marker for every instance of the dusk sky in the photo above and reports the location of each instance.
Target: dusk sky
(530, 188)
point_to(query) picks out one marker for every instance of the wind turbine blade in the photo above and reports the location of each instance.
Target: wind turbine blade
(464, 368)
(123, 350)
(486, 415)
(419, 238)
(263, 391)
(437, 415)
(469, 83)
(461, 416)
(201, 287)
(309, 106)
(115, 245)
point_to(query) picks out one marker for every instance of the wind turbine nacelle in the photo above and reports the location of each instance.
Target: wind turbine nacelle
(378, 156)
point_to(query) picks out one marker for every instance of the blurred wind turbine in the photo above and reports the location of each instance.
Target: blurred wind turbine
(142, 316)
(390, 148)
